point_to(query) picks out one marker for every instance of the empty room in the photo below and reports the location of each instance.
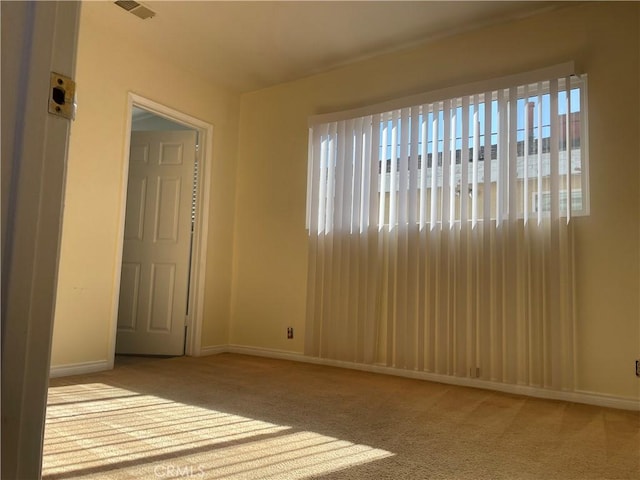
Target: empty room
(338, 240)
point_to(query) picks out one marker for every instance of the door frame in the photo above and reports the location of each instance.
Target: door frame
(37, 38)
(199, 248)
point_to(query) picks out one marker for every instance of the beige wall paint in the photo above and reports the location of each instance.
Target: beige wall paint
(270, 255)
(108, 68)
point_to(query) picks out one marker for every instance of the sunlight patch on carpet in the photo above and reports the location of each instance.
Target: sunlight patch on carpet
(100, 431)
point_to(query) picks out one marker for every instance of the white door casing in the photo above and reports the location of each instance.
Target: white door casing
(37, 38)
(157, 239)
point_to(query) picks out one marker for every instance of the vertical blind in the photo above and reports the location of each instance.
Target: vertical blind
(440, 234)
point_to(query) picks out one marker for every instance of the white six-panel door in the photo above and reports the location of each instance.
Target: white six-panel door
(157, 238)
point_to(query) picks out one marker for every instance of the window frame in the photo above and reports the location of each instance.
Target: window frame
(459, 96)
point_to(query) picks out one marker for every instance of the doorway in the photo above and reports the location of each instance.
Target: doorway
(159, 305)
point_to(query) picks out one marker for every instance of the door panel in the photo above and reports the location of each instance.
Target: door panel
(134, 220)
(163, 279)
(155, 259)
(167, 209)
(128, 306)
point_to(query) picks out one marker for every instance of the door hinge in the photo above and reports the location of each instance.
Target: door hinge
(62, 96)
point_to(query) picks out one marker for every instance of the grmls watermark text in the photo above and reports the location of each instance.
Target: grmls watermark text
(178, 471)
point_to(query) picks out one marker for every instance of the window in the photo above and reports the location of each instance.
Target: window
(504, 153)
(439, 226)
(545, 201)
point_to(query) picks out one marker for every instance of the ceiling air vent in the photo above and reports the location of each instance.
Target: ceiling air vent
(136, 8)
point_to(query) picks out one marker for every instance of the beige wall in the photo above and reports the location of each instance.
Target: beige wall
(270, 255)
(108, 68)
(264, 243)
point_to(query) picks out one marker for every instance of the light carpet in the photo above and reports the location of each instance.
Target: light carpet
(231, 416)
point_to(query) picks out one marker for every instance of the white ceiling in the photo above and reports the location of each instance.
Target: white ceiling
(251, 45)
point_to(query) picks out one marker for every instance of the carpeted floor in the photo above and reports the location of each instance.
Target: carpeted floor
(237, 417)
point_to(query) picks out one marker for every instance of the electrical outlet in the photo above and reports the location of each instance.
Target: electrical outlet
(474, 372)
(289, 332)
(637, 368)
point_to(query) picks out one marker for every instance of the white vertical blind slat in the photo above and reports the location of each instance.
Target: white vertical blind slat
(567, 137)
(501, 160)
(316, 182)
(403, 168)
(414, 155)
(463, 193)
(488, 157)
(554, 180)
(356, 214)
(525, 181)
(486, 324)
(413, 331)
(446, 165)
(373, 247)
(435, 171)
(475, 164)
(331, 173)
(320, 153)
(402, 283)
(453, 121)
(539, 157)
(393, 176)
(555, 329)
(512, 169)
(375, 185)
(335, 281)
(367, 176)
(383, 175)
(360, 342)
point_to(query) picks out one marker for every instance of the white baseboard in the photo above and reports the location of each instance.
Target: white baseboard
(603, 400)
(578, 396)
(79, 368)
(213, 350)
(268, 352)
(589, 398)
